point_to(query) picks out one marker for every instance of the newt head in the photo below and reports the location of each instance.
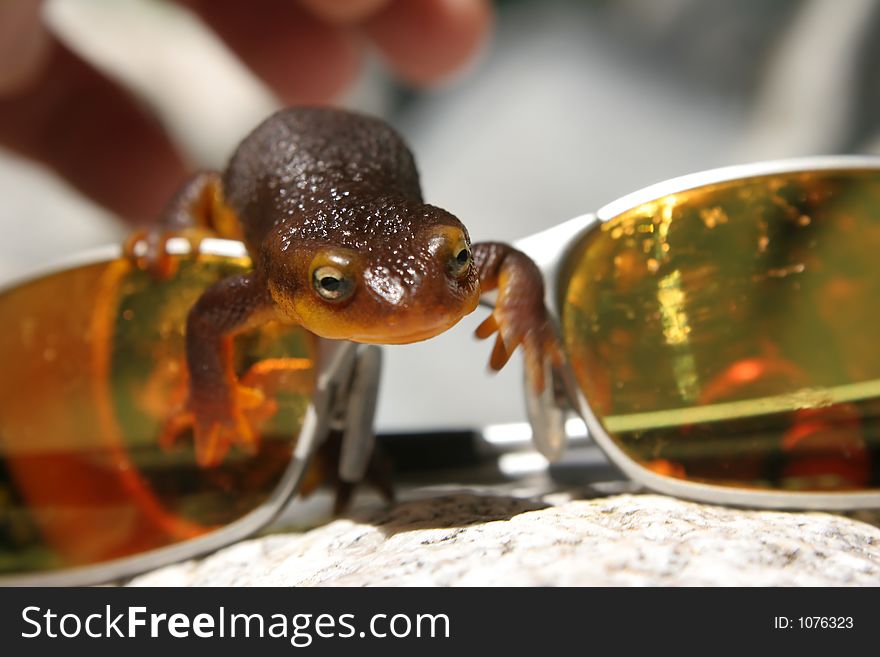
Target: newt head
(390, 271)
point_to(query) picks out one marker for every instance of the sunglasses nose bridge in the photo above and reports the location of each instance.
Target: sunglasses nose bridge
(358, 436)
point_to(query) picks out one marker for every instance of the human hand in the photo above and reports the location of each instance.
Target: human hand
(58, 110)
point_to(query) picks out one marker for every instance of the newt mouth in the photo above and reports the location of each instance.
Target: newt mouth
(390, 336)
(366, 326)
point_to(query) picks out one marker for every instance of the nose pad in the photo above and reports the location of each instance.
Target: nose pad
(358, 437)
(546, 412)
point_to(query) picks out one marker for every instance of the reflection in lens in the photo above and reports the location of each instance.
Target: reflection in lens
(92, 366)
(728, 335)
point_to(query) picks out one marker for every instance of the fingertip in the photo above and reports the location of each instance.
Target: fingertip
(535, 380)
(534, 366)
(500, 355)
(486, 328)
(303, 59)
(427, 40)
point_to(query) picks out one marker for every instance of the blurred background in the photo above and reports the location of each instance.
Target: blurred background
(569, 105)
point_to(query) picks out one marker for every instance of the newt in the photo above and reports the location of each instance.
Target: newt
(329, 205)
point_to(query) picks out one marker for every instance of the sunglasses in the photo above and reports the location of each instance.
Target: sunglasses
(719, 339)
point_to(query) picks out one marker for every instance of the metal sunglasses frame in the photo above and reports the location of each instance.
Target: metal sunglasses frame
(344, 399)
(552, 248)
(347, 384)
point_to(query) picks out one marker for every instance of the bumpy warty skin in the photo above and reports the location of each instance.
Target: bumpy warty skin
(321, 171)
(312, 176)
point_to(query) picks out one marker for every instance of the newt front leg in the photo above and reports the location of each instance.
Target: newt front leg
(330, 208)
(195, 212)
(217, 401)
(519, 317)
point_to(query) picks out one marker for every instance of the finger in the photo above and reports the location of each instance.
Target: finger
(487, 327)
(512, 336)
(77, 122)
(24, 44)
(304, 59)
(210, 448)
(534, 364)
(500, 355)
(425, 40)
(343, 12)
(173, 428)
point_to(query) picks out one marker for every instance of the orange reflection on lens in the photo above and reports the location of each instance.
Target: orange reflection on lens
(93, 365)
(749, 306)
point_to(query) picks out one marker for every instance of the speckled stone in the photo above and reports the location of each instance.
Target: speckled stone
(470, 539)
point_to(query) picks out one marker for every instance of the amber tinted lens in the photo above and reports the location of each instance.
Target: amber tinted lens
(729, 334)
(92, 364)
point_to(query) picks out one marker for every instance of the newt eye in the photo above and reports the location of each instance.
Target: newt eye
(461, 260)
(331, 283)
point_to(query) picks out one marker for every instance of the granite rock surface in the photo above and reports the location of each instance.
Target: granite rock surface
(474, 539)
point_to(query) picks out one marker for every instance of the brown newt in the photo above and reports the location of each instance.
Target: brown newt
(329, 205)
